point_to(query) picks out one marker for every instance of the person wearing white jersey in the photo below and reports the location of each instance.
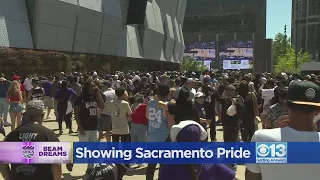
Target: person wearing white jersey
(303, 105)
(105, 123)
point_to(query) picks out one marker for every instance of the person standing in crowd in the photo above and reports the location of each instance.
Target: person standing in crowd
(279, 109)
(159, 122)
(211, 96)
(4, 106)
(139, 121)
(267, 93)
(250, 111)
(28, 84)
(86, 114)
(48, 99)
(231, 121)
(303, 103)
(15, 100)
(54, 88)
(76, 86)
(39, 133)
(64, 107)
(182, 108)
(190, 131)
(120, 114)
(190, 85)
(105, 122)
(198, 102)
(37, 92)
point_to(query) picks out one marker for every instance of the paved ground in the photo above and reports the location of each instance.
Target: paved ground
(79, 170)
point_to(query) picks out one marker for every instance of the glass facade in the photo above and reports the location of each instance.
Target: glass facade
(309, 26)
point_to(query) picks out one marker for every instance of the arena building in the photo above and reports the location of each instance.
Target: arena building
(98, 27)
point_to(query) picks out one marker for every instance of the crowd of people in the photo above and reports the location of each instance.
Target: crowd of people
(164, 107)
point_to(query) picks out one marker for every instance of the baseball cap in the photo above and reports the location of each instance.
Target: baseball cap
(199, 94)
(190, 80)
(304, 93)
(15, 77)
(35, 107)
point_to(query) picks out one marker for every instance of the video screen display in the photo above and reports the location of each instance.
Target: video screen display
(205, 51)
(236, 54)
(201, 51)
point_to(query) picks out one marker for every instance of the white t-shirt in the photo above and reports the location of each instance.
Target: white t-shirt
(110, 96)
(267, 95)
(27, 84)
(285, 171)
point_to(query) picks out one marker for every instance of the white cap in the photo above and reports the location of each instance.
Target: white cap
(199, 94)
(95, 73)
(116, 76)
(175, 129)
(190, 80)
(136, 77)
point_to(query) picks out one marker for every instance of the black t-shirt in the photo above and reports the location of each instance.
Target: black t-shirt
(182, 113)
(31, 133)
(88, 112)
(210, 101)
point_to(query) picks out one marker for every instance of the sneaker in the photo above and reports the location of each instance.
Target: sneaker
(89, 171)
(6, 124)
(70, 131)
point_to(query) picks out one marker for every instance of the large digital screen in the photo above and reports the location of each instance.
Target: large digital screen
(201, 51)
(236, 54)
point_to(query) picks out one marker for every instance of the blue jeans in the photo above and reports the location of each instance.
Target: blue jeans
(4, 109)
(138, 132)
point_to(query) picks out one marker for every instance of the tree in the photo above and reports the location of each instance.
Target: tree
(190, 64)
(286, 62)
(280, 45)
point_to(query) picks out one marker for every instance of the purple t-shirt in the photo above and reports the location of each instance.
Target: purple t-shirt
(64, 94)
(46, 85)
(209, 172)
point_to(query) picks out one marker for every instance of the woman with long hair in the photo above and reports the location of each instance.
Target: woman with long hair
(251, 111)
(14, 99)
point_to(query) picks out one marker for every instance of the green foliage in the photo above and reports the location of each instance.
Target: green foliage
(286, 62)
(190, 64)
(280, 44)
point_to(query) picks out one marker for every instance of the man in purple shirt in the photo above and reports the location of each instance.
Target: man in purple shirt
(190, 131)
(63, 97)
(48, 100)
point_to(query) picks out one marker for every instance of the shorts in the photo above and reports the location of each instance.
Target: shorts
(48, 102)
(104, 123)
(15, 107)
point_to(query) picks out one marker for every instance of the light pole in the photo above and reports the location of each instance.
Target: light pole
(285, 39)
(297, 34)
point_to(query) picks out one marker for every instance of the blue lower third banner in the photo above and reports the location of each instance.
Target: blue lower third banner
(197, 153)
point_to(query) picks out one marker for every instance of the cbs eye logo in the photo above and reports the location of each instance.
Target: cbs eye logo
(271, 150)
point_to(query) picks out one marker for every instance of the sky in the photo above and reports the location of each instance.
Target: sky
(278, 15)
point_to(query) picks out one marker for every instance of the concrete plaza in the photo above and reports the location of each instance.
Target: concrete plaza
(79, 169)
